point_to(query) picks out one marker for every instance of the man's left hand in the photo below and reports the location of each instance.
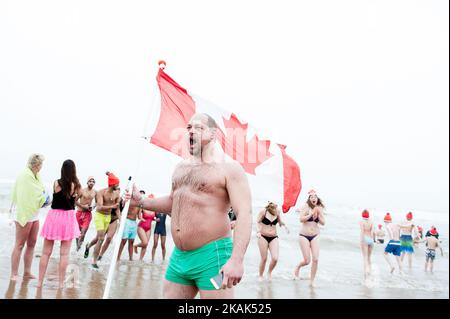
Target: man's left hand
(232, 273)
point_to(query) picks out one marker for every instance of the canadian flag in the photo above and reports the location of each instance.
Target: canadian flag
(273, 175)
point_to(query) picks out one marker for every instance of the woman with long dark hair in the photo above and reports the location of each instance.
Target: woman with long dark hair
(311, 216)
(60, 223)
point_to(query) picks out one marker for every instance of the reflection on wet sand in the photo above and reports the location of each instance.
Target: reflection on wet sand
(137, 280)
(81, 283)
(265, 291)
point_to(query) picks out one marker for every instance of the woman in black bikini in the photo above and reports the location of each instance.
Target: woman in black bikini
(267, 237)
(311, 215)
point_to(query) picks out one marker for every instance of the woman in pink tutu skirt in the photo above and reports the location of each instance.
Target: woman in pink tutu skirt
(60, 223)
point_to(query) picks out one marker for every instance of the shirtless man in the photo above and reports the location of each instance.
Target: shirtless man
(432, 243)
(380, 234)
(130, 231)
(393, 246)
(204, 186)
(110, 232)
(84, 212)
(407, 229)
(107, 199)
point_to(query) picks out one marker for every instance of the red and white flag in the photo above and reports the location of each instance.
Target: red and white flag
(272, 174)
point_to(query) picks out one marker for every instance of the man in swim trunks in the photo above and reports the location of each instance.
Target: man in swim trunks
(130, 231)
(160, 231)
(84, 212)
(406, 238)
(112, 228)
(107, 200)
(393, 246)
(204, 186)
(432, 243)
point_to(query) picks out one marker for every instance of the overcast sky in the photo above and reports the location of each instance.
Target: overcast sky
(358, 90)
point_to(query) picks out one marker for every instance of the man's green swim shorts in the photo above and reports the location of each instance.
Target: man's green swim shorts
(196, 267)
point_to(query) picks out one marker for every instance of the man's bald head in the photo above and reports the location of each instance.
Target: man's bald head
(206, 119)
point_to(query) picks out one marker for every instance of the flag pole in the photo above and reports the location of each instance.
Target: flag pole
(118, 237)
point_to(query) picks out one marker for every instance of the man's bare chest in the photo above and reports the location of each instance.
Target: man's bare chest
(204, 178)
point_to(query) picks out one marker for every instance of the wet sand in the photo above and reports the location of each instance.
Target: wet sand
(136, 279)
(89, 283)
(339, 275)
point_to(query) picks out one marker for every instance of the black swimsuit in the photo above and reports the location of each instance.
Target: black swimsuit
(267, 221)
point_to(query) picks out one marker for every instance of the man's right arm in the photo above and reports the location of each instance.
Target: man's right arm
(160, 204)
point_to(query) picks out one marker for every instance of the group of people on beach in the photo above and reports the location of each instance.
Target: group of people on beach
(70, 217)
(209, 203)
(109, 206)
(403, 236)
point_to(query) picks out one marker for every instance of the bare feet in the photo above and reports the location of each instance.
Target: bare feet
(260, 278)
(29, 276)
(269, 277)
(135, 249)
(392, 270)
(39, 284)
(312, 284)
(14, 277)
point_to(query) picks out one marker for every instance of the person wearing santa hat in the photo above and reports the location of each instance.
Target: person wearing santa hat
(407, 228)
(107, 199)
(84, 211)
(367, 236)
(429, 232)
(393, 247)
(430, 254)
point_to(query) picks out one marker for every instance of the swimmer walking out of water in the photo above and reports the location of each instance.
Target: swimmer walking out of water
(367, 242)
(311, 216)
(430, 254)
(393, 246)
(204, 186)
(267, 237)
(406, 238)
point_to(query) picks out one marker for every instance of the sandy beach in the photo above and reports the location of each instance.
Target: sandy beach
(340, 272)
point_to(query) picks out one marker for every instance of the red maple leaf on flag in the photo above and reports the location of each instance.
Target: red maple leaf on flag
(249, 154)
